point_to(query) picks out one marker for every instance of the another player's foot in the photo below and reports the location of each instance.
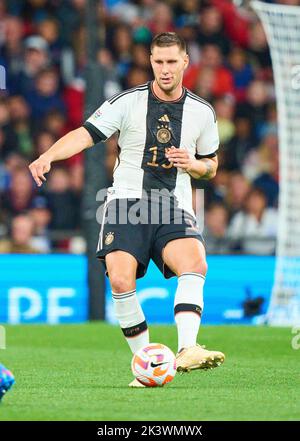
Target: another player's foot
(196, 357)
(136, 383)
(6, 380)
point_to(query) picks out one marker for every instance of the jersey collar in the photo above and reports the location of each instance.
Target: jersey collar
(182, 97)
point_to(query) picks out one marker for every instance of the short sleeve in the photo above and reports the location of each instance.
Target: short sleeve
(105, 121)
(208, 141)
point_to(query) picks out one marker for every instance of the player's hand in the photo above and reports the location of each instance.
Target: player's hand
(38, 168)
(180, 158)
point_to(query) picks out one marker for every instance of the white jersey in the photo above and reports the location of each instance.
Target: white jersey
(147, 126)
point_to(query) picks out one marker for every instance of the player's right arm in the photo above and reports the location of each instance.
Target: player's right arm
(103, 123)
(67, 146)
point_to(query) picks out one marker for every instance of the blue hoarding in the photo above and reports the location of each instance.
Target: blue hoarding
(43, 289)
(236, 287)
(53, 289)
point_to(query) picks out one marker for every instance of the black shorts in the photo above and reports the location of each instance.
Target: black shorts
(142, 229)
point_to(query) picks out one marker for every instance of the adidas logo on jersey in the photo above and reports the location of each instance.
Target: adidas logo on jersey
(164, 118)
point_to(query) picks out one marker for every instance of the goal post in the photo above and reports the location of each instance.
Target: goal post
(282, 27)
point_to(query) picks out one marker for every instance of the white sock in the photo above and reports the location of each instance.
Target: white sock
(131, 319)
(188, 307)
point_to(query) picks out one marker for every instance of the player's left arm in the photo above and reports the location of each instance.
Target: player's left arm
(204, 168)
(204, 164)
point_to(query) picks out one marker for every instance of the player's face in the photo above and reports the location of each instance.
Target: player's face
(168, 64)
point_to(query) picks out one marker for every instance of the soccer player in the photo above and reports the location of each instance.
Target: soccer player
(166, 135)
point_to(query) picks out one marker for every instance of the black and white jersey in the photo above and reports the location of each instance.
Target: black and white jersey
(147, 126)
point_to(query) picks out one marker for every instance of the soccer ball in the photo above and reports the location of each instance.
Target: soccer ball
(154, 365)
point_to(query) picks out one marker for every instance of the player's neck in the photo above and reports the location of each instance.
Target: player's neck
(173, 95)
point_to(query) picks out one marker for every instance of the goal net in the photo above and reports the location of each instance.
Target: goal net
(282, 27)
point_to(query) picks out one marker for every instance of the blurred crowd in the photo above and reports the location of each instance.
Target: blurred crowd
(42, 47)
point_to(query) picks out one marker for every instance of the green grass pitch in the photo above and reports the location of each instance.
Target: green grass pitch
(81, 372)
